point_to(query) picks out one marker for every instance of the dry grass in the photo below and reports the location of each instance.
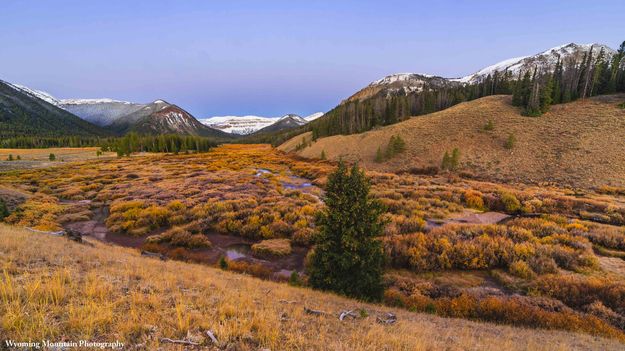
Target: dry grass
(577, 144)
(39, 158)
(273, 247)
(52, 288)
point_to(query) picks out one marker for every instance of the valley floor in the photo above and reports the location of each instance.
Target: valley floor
(56, 289)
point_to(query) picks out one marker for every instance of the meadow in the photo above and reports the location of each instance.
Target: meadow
(532, 256)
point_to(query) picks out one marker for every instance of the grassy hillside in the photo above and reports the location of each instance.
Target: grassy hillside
(61, 290)
(25, 115)
(578, 143)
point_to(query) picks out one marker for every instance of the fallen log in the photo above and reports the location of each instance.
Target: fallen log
(180, 342)
(313, 312)
(58, 233)
(212, 337)
(390, 318)
(154, 255)
(345, 314)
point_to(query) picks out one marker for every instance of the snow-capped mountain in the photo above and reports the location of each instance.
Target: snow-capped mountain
(314, 116)
(285, 122)
(35, 93)
(102, 112)
(409, 83)
(161, 117)
(544, 61)
(243, 125)
(402, 83)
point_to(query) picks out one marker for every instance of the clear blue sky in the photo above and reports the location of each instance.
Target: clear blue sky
(274, 57)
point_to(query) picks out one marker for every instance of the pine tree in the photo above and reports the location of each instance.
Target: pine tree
(546, 96)
(348, 258)
(4, 210)
(323, 154)
(455, 159)
(52, 157)
(379, 156)
(446, 164)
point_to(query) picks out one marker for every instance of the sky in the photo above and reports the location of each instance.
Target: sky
(268, 57)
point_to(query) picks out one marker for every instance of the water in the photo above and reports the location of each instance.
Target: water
(238, 251)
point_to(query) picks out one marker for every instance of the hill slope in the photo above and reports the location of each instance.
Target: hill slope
(24, 113)
(101, 112)
(107, 293)
(579, 143)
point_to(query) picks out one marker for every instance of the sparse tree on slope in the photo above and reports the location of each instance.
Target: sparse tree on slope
(348, 257)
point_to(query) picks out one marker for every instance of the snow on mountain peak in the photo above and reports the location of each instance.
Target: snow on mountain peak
(400, 77)
(314, 116)
(545, 60)
(91, 101)
(36, 93)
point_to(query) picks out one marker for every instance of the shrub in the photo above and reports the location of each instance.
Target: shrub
(52, 157)
(272, 247)
(452, 162)
(521, 269)
(509, 144)
(490, 125)
(4, 210)
(510, 202)
(294, 279)
(474, 199)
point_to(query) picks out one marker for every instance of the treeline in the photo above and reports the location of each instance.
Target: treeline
(134, 142)
(47, 142)
(595, 74)
(125, 145)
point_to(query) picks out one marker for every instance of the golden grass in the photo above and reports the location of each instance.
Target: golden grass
(578, 143)
(273, 247)
(52, 288)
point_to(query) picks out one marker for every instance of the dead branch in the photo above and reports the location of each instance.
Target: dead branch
(154, 254)
(313, 312)
(287, 301)
(59, 233)
(390, 318)
(345, 314)
(181, 342)
(212, 337)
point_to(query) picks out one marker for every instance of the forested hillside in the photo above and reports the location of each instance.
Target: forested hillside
(22, 114)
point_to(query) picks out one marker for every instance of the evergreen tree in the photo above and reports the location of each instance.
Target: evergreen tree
(546, 96)
(446, 164)
(4, 210)
(348, 258)
(323, 154)
(52, 157)
(455, 159)
(379, 156)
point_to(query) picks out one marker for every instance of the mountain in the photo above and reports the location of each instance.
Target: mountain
(102, 112)
(244, 125)
(544, 61)
(402, 83)
(397, 97)
(576, 143)
(286, 122)
(314, 116)
(27, 112)
(161, 117)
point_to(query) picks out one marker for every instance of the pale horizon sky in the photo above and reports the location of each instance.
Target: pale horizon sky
(270, 58)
